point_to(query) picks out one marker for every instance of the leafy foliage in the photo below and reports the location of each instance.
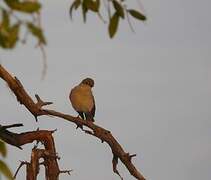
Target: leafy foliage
(136, 14)
(37, 32)
(4, 169)
(117, 7)
(75, 6)
(8, 33)
(3, 149)
(25, 6)
(11, 24)
(113, 25)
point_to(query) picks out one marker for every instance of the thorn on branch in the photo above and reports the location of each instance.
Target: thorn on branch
(89, 132)
(79, 126)
(107, 132)
(130, 156)
(10, 126)
(35, 116)
(53, 131)
(38, 98)
(18, 82)
(66, 171)
(40, 103)
(21, 164)
(115, 162)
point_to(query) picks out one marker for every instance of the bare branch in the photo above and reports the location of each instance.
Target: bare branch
(11, 126)
(19, 167)
(97, 131)
(21, 94)
(115, 162)
(105, 136)
(48, 154)
(67, 171)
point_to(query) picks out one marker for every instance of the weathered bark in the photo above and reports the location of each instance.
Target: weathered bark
(95, 130)
(48, 154)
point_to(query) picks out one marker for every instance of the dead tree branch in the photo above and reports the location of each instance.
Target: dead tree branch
(21, 94)
(95, 130)
(48, 153)
(105, 136)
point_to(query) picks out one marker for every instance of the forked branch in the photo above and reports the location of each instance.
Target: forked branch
(95, 130)
(48, 154)
(21, 94)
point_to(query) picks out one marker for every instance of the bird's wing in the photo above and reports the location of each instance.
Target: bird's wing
(93, 109)
(90, 115)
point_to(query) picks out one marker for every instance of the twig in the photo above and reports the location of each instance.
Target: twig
(48, 154)
(115, 162)
(99, 132)
(129, 22)
(67, 171)
(22, 96)
(21, 164)
(10, 126)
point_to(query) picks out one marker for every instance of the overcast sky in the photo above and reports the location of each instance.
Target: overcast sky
(152, 90)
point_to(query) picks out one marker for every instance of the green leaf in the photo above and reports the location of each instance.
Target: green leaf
(5, 170)
(92, 5)
(26, 6)
(2, 41)
(84, 10)
(119, 9)
(137, 14)
(30, 7)
(5, 20)
(3, 149)
(9, 37)
(13, 37)
(113, 25)
(37, 32)
(97, 2)
(74, 5)
(77, 4)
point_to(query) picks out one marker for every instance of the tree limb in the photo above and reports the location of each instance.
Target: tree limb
(48, 153)
(105, 136)
(21, 94)
(97, 131)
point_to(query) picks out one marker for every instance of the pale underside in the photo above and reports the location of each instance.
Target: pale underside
(81, 98)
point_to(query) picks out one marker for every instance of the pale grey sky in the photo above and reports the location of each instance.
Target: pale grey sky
(153, 90)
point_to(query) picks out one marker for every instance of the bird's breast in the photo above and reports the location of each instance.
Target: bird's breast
(82, 99)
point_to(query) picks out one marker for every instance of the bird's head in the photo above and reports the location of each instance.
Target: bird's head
(88, 81)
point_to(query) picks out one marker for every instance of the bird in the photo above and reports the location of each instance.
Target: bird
(82, 99)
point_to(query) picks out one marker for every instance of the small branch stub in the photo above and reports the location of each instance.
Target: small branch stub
(36, 109)
(48, 154)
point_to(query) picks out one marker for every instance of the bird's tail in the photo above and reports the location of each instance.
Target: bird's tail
(89, 117)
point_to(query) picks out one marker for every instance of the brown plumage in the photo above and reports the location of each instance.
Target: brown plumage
(82, 99)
